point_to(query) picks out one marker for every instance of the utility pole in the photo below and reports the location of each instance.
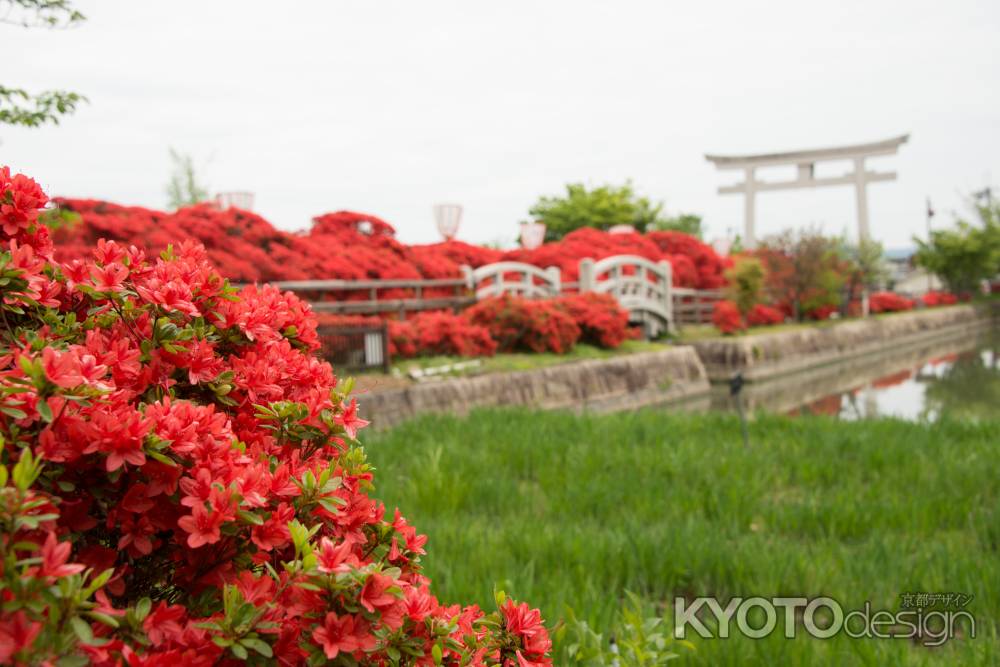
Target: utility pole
(930, 214)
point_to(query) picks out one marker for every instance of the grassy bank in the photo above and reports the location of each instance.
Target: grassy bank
(574, 511)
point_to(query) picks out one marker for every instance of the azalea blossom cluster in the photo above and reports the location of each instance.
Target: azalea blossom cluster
(355, 246)
(181, 483)
(727, 318)
(507, 324)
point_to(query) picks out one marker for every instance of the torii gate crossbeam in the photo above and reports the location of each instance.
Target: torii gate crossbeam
(806, 161)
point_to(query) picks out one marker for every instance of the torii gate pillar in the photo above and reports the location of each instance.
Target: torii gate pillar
(806, 161)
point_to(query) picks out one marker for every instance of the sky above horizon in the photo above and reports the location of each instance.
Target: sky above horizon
(394, 106)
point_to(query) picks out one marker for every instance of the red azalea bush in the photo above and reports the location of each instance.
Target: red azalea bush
(428, 333)
(763, 316)
(602, 321)
(932, 299)
(519, 324)
(441, 333)
(888, 302)
(356, 246)
(726, 317)
(180, 481)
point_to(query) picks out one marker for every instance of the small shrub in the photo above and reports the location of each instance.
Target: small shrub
(726, 317)
(447, 333)
(602, 321)
(518, 324)
(889, 302)
(763, 316)
(932, 299)
(746, 283)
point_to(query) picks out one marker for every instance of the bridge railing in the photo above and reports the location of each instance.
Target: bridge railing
(515, 278)
(405, 296)
(642, 287)
(694, 306)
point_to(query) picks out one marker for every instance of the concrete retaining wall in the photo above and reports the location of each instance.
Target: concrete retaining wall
(768, 355)
(619, 383)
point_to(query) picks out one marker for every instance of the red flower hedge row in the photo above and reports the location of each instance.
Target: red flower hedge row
(932, 299)
(888, 302)
(441, 333)
(602, 321)
(180, 481)
(525, 325)
(762, 316)
(553, 325)
(356, 246)
(727, 318)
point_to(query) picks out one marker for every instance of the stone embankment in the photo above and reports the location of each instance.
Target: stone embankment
(679, 372)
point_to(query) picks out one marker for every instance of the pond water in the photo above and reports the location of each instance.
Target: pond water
(959, 378)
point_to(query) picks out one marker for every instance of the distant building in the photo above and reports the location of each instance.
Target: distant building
(904, 276)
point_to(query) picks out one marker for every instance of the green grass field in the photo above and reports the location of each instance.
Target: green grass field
(568, 511)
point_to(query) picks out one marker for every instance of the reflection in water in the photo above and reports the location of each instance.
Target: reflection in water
(958, 377)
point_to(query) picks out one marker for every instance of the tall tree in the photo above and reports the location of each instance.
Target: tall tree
(864, 270)
(184, 187)
(602, 207)
(17, 105)
(689, 223)
(964, 256)
(804, 270)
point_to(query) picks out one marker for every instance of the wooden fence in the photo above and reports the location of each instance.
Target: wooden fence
(414, 298)
(642, 287)
(693, 306)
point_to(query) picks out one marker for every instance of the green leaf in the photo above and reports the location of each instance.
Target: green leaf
(45, 411)
(258, 645)
(249, 517)
(13, 412)
(82, 630)
(142, 608)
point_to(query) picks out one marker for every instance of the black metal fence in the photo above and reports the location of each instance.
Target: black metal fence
(356, 348)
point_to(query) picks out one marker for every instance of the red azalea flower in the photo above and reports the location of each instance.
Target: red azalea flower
(202, 525)
(342, 634)
(274, 533)
(350, 420)
(54, 556)
(16, 634)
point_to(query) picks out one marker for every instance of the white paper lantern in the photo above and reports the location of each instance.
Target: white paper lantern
(243, 200)
(448, 217)
(532, 234)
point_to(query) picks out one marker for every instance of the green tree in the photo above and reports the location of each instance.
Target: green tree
(689, 223)
(184, 187)
(746, 283)
(17, 105)
(804, 269)
(864, 269)
(601, 207)
(966, 255)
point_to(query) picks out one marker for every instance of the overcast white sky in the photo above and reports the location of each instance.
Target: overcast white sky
(391, 106)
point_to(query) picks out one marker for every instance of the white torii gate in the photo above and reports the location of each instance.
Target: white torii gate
(806, 161)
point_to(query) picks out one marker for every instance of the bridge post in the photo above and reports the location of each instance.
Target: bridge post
(586, 275)
(668, 291)
(555, 279)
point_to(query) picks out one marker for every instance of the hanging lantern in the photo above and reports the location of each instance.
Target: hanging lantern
(448, 217)
(621, 229)
(226, 200)
(532, 234)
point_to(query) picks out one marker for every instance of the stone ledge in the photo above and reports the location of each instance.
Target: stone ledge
(620, 383)
(768, 355)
